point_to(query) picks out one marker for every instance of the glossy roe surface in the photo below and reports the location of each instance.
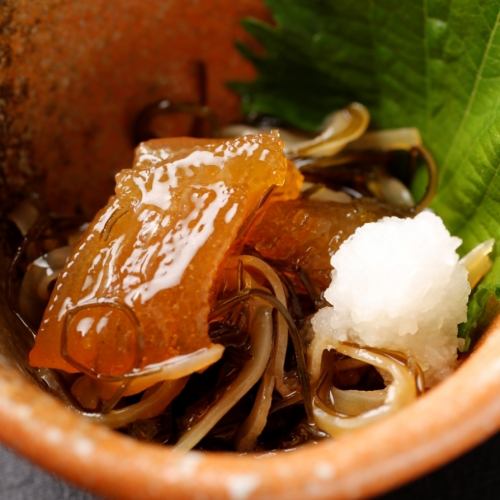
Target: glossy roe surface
(139, 286)
(305, 233)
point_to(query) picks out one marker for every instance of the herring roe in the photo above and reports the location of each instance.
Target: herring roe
(398, 284)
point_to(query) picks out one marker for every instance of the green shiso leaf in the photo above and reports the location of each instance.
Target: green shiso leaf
(483, 306)
(431, 64)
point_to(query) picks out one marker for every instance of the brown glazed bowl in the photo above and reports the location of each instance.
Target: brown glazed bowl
(72, 77)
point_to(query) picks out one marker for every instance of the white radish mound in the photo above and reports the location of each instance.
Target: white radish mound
(398, 284)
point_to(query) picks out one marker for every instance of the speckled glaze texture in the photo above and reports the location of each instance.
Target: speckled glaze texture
(72, 76)
(454, 416)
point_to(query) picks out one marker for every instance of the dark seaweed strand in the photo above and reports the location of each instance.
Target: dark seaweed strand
(432, 172)
(283, 267)
(110, 404)
(351, 169)
(329, 166)
(240, 276)
(12, 301)
(294, 398)
(292, 296)
(141, 127)
(311, 289)
(201, 78)
(197, 128)
(91, 372)
(204, 123)
(252, 219)
(361, 163)
(294, 335)
(32, 236)
(46, 378)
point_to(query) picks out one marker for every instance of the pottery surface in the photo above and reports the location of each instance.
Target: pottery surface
(72, 77)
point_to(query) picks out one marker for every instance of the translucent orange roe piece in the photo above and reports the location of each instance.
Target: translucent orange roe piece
(139, 287)
(305, 233)
(291, 188)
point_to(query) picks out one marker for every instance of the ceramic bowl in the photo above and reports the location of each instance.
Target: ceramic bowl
(73, 76)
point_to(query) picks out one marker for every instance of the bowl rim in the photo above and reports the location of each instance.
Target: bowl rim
(459, 413)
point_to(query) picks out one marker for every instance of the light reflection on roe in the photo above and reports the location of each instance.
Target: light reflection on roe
(179, 209)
